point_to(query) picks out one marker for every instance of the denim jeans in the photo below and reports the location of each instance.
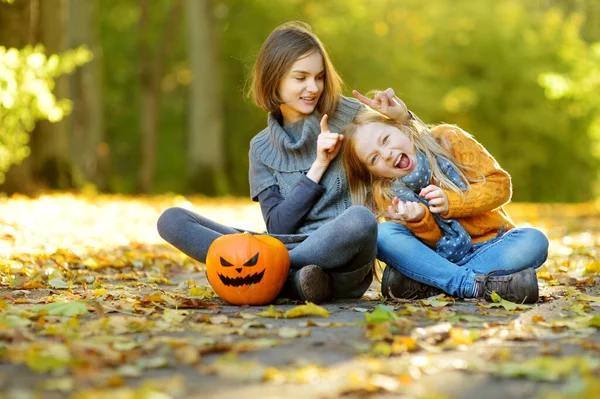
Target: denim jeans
(515, 250)
(345, 247)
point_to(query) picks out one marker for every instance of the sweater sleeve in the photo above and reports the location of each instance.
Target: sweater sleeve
(493, 192)
(426, 229)
(260, 176)
(285, 216)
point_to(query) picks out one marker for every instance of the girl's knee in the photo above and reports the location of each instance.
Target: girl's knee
(533, 247)
(537, 240)
(169, 220)
(360, 220)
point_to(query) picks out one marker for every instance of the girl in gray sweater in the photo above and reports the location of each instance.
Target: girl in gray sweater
(296, 175)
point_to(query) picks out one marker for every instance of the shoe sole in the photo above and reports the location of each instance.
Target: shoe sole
(313, 285)
(534, 298)
(385, 288)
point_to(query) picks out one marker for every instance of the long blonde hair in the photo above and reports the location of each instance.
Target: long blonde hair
(375, 192)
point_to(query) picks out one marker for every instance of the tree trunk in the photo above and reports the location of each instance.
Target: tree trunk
(50, 141)
(87, 150)
(205, 154)
(16, 21)
(152, 72)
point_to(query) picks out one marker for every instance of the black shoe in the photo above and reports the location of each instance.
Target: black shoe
(313, 284)
(520, 287)
(396, 285)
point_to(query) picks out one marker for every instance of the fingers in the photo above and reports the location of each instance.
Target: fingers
(408, 211)
(363, 99)
(385, 97)
(382, 99)
(428, 190)
(411, 210)
(328, 141)
(338, 145)
(324, 127)
(389, 93)
(437, 198)
(442, 209)
(331, 143)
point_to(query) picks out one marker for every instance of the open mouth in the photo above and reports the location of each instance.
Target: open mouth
(402, 162)
(309, 100)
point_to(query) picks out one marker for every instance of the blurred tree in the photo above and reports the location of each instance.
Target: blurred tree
(205, 154)
(121, 41)
(152, 68)
(88, 151)
(15, 32)
(52, 165)
(27, 80)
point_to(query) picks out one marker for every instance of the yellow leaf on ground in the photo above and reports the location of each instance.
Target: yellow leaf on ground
(202, 292)
(310, 309)
(271, 312)
(99, 292)
(507, 305)
(590, 298)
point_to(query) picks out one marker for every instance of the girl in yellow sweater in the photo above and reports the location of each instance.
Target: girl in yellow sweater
(442, 194)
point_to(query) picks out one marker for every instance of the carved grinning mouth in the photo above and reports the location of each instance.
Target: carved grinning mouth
(239, 281)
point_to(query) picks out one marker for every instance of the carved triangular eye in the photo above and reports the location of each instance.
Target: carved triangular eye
(224, 262)
(252, 261)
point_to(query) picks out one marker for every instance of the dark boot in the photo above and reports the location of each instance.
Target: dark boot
(520, 287)
(309, 284)
(395, 284)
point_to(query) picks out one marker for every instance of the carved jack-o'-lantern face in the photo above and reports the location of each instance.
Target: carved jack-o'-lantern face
(246, 269)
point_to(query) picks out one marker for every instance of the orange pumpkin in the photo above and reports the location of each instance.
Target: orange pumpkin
(246, 269)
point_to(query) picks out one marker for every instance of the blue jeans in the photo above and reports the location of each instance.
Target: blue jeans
(516, 250)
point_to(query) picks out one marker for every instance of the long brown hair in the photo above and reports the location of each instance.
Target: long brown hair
(284, 46)
(375, 192)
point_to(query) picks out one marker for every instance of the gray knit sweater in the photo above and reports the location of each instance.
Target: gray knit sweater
(281, 158)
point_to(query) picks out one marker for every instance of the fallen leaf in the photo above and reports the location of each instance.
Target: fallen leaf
(271, 312)
(507, 305)
(437, 301)
(381, 314)
(310, 309)
(62, 308)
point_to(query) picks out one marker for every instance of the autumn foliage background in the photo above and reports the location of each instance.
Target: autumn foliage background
(149, 96)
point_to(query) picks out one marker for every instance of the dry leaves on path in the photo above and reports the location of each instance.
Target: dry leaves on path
(93, 303)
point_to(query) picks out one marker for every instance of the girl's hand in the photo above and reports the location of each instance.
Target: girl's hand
(406, 211)
(387, 103)
(438, 200)
(328, 144)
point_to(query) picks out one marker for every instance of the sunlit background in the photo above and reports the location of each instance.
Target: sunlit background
(153, 100)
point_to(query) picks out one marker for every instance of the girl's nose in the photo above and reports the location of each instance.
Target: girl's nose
(312, 86)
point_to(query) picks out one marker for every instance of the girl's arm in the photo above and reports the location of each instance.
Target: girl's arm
(418, 218)
(426, 229)
(282, 216)
(492, 193)
(285, 216)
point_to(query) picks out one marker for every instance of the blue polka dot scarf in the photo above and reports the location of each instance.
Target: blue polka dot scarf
(456, 241)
